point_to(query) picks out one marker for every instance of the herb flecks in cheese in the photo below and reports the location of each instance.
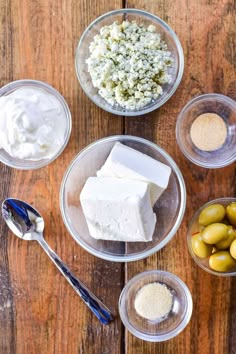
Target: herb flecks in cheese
(129, 64)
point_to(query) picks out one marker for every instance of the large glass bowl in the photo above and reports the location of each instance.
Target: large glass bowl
(195, 227)
(169, 208)
(167, 34)
(149, 330)
(26, 164)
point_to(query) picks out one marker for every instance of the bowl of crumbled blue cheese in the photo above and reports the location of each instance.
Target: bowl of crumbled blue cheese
(129, 62)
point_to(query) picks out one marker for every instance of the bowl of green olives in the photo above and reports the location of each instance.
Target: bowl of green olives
(212, 237)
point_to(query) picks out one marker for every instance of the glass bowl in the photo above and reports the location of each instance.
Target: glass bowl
(167, 34)
(25, 164)
(225, 107)
(169, 208)
(194, 227)
(151, 330)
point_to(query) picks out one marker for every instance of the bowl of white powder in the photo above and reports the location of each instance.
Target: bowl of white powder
(155, 306)
(129, 62)
(35, 124)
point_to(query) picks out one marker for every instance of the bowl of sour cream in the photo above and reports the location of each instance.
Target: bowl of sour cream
(35, 124)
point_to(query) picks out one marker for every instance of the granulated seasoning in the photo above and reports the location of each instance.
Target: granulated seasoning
(153, 301)
(208, 132)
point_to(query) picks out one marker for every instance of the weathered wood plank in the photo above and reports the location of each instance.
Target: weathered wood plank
(39, 312)
(206, 30)
(38, 41)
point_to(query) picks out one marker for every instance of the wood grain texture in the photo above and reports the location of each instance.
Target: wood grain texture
(39, 311)
(7, 309)
(205, 29)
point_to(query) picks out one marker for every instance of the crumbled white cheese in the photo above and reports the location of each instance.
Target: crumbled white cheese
(118, 209)
(125, 162)
(128, 64)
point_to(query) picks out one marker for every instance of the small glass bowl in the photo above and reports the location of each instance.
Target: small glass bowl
(225, 107)
(24, 164)
(169, 208)
(167, 34)
(195, 227)
(149, 330)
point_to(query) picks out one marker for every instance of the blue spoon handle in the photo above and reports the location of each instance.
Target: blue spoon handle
(96, 306)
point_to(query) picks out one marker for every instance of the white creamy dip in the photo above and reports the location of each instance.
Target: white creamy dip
(31, 124)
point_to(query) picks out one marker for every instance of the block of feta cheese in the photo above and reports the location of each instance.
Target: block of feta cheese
(125, 162)
(118, 209)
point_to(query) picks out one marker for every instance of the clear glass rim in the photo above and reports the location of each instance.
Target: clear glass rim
(173, 230)
(180, 118)
(197, 261)
(40, 84)
(179, 50)
(165, 336)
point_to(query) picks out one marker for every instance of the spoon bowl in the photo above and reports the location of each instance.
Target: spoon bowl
(23, 220)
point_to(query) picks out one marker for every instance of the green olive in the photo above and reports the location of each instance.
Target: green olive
(200, 248)
(224, 244)
(221, 261)
(211, 214)
(231, 213)
(214, 233)
(233, 249)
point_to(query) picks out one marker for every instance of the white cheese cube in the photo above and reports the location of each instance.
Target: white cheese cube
(125, 162)
(118, 209)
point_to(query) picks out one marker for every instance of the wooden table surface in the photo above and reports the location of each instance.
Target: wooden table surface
(39, 312)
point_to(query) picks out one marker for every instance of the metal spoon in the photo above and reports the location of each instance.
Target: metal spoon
(26, 223)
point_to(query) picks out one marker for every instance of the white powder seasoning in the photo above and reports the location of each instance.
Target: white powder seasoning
(153, 301)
